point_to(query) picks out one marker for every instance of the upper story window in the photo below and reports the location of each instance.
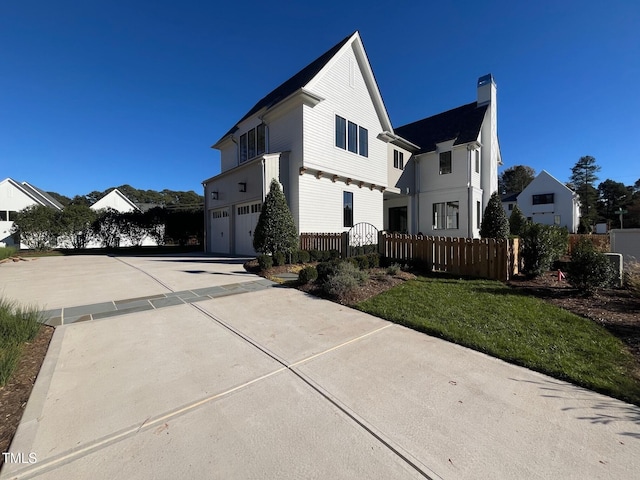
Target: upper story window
(445, 162)
(543, 199)
(253, 143)
(350, 136)
(477, 155)
(398, 159)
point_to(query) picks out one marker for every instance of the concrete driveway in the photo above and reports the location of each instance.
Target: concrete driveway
(266, 382)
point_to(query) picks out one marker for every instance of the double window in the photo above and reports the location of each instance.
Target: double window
(543, 199)
(446, 215)
(398, 160)
(350, 136)
(445, 162)
(347, 209)
(253, 143)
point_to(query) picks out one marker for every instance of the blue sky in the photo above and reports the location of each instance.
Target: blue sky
(95, 94)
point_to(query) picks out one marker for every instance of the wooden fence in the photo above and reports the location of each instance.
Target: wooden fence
(322, 241)
(483, 258)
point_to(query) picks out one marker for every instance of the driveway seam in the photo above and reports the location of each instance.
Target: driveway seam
(363, 424)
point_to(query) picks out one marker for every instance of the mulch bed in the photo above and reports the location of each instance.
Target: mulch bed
(14, 395)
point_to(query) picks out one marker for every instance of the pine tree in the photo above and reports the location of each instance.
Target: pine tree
(276, 230)
(494, 221)
(583, 179)
(516, 220)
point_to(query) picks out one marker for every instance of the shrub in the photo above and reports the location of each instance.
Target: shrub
(276, 230)
(393, 269)
(293, 256)
(315, 255)
(589, 270)
(541, 245)
(333, 254)
(374, 260)
(303, 256)
(307, 274)
(325, 270)
(353, 261)
(363, 262)
(278, 259)
(265, 262)
(517, 221)
(346, 278)
(494, 221)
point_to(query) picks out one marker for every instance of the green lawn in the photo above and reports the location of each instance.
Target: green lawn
(17, 326)
(490, 317)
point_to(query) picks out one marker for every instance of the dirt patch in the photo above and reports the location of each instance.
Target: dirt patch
(14, 395)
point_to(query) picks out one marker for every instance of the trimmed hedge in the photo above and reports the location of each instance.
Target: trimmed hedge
(307, 274)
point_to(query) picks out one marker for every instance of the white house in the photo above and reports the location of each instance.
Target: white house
(14, 197)
(116, 200)
(325, 135)
(548, 201)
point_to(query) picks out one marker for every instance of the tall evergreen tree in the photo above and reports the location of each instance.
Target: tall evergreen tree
(517, 221)
(583, 178)
(276, 230)
(494, 221)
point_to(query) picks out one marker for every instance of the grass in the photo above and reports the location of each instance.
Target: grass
(6, 252)
(17, 326)
(490, 317)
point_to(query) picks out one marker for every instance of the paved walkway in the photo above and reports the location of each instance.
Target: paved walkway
(97, 311)
(277, 384)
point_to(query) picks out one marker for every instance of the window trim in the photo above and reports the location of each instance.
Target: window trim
(446, 157)
(347, 216)
(543, 199)
(398, 159)
(363, 141)
(450, 221)
(341, 132)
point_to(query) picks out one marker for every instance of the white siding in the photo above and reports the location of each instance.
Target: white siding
(321, 205)
(353, 103)
(563, 205)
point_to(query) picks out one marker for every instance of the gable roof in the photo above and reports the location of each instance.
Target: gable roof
(462, 124)
(38, 196)
(45, 198)
(308, 73)
(104, 201)
(546, 175)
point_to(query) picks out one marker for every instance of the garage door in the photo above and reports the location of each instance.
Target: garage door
(219, 234)
(246, 220)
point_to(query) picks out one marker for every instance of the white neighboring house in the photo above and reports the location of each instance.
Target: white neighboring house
(14, 197)
(325, 135)
(118, 201)
(548, 201)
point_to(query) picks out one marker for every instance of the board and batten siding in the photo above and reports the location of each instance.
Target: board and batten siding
(346, 94)
(321, 205)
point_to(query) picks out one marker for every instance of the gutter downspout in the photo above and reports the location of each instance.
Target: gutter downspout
(416, 198)
(205, 238)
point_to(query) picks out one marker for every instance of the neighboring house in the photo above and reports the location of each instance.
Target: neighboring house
(325, 135)
(14, 197)
(509, 201)
(548, 201)
(117, 200)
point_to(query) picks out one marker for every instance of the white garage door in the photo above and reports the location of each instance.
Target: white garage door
(246, 220)
(219, 234)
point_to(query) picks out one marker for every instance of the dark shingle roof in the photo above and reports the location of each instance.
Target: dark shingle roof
(295, 83)
(462, 124)
(510, 197)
